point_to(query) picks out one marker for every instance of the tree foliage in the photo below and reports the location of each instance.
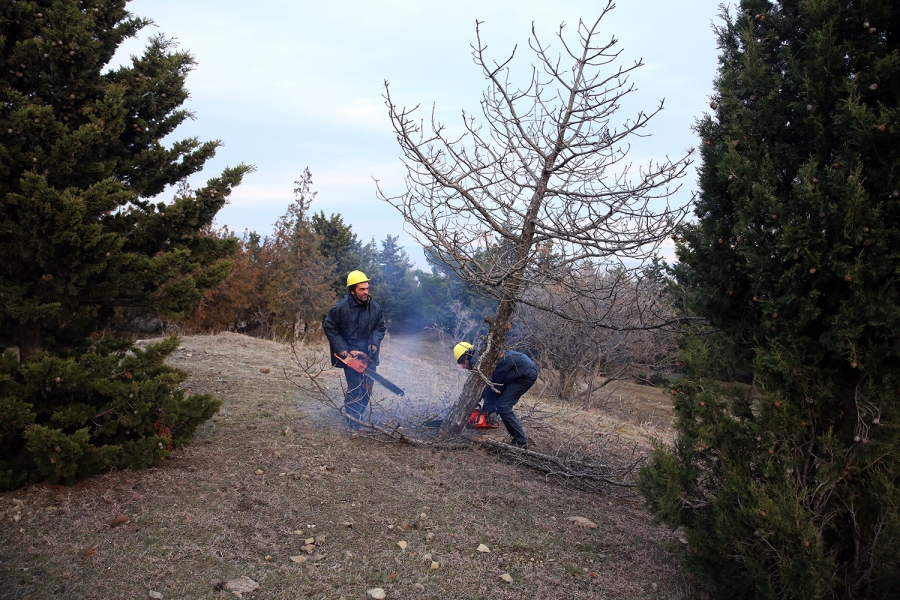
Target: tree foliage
(81, 157)
(282, 284)
(298, 289)
(790, 489)
(341, 246)
(396, 284)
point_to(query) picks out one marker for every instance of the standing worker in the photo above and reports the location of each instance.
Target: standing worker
(514, 375)
(355, 324)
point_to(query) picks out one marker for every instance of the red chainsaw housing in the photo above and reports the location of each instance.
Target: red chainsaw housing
(479, 420)
(359, 362)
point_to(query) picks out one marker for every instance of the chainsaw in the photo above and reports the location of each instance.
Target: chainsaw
(359, 362)
(477, 420)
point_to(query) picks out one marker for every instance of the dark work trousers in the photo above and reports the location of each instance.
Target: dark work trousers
(503, 403)
(356, 400)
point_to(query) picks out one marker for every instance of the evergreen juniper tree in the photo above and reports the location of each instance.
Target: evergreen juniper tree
(791, 488)
(396, 285)
(341, 246)
(81, 158)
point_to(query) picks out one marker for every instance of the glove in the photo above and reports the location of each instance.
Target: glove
(372, 349)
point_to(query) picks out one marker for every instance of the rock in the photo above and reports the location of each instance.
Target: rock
(376, 594)
(298, 559)
(426, 557)
(507, 578)
(654, 588)
(582, 522)
(309, 541)
(320, 540)
(309, 548)
(155, 595)
(434, 564)
(483, 548)
(402, 545)
(265, 370)
(259, 471)
(241, 585)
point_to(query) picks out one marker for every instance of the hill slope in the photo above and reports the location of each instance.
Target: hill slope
(274, 468)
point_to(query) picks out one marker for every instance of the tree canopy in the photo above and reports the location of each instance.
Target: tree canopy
(789, 489)
(82, 161)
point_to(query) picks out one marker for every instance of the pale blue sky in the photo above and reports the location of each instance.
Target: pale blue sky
(287, 84)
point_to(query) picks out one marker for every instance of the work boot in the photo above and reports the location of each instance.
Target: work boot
(522, 445)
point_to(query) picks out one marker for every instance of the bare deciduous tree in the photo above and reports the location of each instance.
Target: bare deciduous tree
(539, 189)
(578, 359)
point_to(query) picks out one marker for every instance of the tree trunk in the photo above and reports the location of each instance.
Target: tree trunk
(487, 360)
(29, 339)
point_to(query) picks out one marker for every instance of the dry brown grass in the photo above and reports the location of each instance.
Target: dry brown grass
(207, 515)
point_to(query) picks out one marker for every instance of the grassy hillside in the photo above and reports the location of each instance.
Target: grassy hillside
(274, 469)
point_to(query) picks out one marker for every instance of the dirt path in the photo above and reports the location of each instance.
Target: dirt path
(273, 469)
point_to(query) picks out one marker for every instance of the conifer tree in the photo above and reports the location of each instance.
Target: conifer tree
(791, 488)
(396, 285)
(341, 246)
(298, 288)
(81, 158)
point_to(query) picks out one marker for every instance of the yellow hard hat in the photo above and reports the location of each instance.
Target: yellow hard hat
(460, 349)
(355, 277)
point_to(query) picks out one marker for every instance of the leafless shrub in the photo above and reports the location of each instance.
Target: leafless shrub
(581, 359)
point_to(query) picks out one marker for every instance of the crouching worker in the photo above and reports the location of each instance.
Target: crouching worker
(355, 324)
(514, 375)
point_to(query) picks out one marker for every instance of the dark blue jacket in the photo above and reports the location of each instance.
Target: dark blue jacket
(512, 366)
(353, 326)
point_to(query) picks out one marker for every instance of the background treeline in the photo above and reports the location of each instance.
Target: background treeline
(282, 284)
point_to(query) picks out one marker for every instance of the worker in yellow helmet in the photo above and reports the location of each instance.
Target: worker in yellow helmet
(513, 376)
(355, 324)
